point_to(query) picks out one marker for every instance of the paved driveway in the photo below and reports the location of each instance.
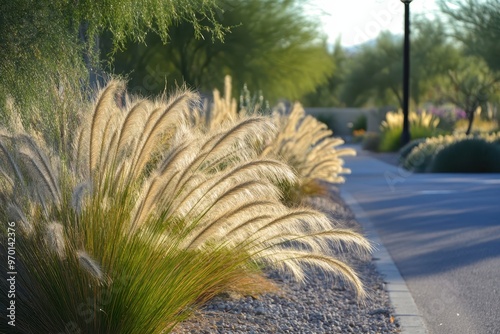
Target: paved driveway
(443, 232)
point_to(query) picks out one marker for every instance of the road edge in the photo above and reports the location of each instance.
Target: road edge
(401, 299)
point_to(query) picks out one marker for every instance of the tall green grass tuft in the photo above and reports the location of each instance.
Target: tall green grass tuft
(422, 125)
(149, 217)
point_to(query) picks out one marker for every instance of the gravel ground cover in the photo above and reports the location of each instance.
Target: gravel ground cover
(318, 305)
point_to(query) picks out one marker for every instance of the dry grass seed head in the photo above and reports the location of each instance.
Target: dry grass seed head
(55, 239)
(224, 109)
(105, 106)
(91, 266)
(15, 214)
(79, 195)
(307, 145)
(8, 159)
(165, 119)
(40, 168)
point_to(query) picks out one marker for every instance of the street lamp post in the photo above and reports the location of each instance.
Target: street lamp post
(405, 136)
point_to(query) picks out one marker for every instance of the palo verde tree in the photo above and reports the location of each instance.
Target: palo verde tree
(273, 47)
(477, 25)
(375, 71)
(374, 74)
(470, 86)
(48, 55)
(328, 93)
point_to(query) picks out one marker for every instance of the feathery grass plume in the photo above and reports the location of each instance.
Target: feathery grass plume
(79, 195)
(221, 111)
(296, 260)
(237, 206)
(56, 241)
(166, 118)
(15, 214)
(13, 118)
(29, 169)
(90, 265)
(8, 159)
(105, 109)
(171, 215)
(306, 145)
(421, 119)
(39, 167)
(183, 173)
(126, 140)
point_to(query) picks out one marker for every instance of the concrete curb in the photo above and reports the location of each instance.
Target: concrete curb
(406, 310)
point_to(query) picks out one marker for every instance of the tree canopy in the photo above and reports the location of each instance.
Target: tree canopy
(477, 25)
(328, 94)
(273, 47)
(52, 44)
(375, 71)
(471, 85)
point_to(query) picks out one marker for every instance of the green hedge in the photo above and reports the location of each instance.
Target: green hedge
(467, 156)
(406, 150)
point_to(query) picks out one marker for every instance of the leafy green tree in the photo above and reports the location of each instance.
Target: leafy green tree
(273, 47)
(477, 25)
(48, 54)
(375, 72)
(328, 94)
(470, 86)
(41, 67)
(433, 55)
(27, 22)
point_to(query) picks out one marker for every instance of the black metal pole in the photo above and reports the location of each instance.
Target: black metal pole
(405, 136)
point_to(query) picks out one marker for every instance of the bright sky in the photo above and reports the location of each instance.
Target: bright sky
(358, 21)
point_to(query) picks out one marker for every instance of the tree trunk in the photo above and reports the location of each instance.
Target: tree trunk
(470, 116)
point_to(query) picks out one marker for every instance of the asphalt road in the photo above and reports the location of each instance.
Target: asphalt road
(443, 233)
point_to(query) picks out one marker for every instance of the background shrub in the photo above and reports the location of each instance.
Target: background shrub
(358, 129)
(420, 158)
(371, 141)
(448, 115)
(390, 140)
(406, 150)
(467, 156)
(422, 125)
(360, 123)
